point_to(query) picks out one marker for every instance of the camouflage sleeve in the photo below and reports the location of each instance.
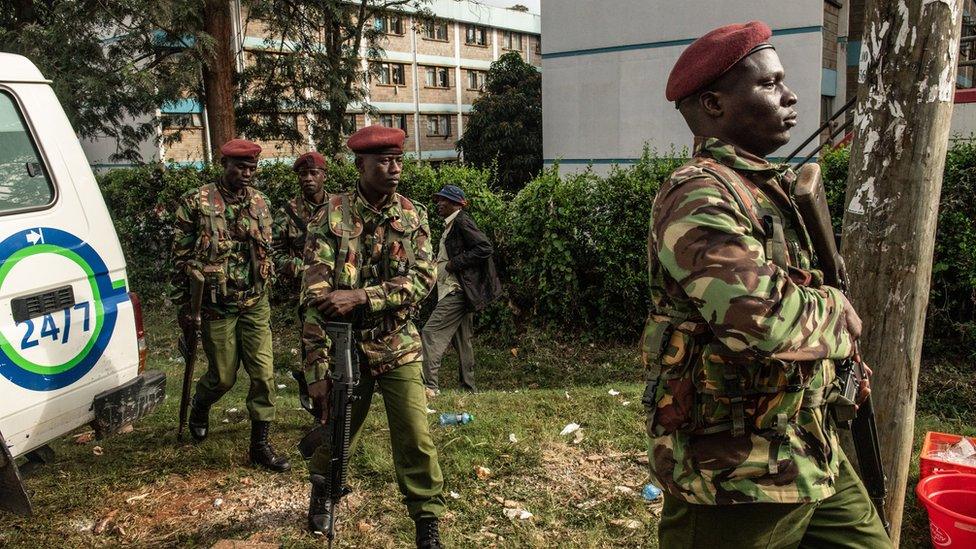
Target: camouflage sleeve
(705, 243)
(184, 242)
(320, 255)
(404, 291)
(287, 262)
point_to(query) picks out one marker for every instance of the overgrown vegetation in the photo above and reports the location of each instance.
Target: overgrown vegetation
(570, 248)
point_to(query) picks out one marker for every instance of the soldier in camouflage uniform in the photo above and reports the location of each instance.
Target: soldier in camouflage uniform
(370, 262)
(223, 231)
(741, 329)
(290, 233)
(291, 224)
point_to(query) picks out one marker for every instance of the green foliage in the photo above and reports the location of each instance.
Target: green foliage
(505, 127)
(571, 249)
(952, 302)
(110, 87)
(322, 74)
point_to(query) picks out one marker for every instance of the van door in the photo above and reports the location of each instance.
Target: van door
(66, 328)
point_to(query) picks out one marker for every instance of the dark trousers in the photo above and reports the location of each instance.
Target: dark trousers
(449, 324)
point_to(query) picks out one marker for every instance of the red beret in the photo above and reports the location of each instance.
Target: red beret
(712, 55)
(377, 139)
(309, 160)
(240, 148)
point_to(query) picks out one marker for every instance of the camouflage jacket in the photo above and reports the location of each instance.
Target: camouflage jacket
(388, 253)
(229, 241)
(290, 235)
(737, 337)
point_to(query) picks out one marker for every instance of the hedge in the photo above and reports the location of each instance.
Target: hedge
(570, 248)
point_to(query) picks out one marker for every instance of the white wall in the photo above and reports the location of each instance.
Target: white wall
(605, 104)
(963, 121)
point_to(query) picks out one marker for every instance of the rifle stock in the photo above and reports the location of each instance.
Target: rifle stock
(811, 200)
(188, 346)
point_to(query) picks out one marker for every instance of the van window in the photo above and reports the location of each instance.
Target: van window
(24, 181)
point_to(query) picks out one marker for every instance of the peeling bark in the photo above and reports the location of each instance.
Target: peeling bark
(906, 82)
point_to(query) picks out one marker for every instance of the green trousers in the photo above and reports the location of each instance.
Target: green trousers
(241, 338)
(846, 519)
(418, 473)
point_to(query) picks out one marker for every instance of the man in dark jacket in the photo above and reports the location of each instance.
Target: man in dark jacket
(466, 283)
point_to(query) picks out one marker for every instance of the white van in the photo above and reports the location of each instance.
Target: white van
(72, 346)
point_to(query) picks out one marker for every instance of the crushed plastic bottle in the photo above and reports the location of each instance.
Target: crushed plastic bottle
(456, 419)
(651, 492)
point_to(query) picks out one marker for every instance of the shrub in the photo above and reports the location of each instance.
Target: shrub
(571, 249)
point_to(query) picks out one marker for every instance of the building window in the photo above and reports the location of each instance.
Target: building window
(438, 125)
(512, 41)
(476, 35)
(181, 120)
(391, 74)
(538, 46)
(436, 30)
(349, 124)
(282, 119)
(389, 24)
(476, 80)
(394, 121)
(437, 77)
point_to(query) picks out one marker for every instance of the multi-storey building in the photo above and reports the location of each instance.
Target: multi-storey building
(426, 81)
(603, 94)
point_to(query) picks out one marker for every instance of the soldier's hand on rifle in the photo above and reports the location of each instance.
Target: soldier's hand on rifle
(319, 391)
(339, 302)
(852, 320)
(185, 318)
(865, 386)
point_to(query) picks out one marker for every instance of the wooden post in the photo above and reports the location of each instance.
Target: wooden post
(906, 85)
(218, 74)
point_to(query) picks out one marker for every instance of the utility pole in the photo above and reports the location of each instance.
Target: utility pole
(218, 73)
(906, 84)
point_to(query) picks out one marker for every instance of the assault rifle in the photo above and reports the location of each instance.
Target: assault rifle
(188, 345)
(811, 200)
(345, 378)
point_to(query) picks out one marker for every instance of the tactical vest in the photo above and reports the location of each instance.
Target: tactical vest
(216, 243)
(356, 267)
(693, 390)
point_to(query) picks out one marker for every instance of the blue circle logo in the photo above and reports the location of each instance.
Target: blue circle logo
(76, 337)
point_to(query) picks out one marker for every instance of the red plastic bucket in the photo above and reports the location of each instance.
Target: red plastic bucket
(951, 503)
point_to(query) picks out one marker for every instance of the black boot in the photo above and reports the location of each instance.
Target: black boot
(261, 451)
(319, 514)
(427, 535)
(199, 422)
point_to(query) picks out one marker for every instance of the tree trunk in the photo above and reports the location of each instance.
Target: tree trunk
(905, 93)
(218, 74)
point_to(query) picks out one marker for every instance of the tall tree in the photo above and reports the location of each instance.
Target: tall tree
(905, 93)
(110, 62)
(219, 70)
(313, 64)
(506, 124)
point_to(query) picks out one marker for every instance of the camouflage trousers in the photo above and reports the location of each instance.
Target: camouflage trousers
(241, 337)
(846, 519)
(418, 473)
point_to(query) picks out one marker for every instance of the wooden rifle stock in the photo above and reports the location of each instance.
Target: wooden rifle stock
(811, 200)
(188, 346)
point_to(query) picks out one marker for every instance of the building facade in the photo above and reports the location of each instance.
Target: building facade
(426, 81)
(603, 92)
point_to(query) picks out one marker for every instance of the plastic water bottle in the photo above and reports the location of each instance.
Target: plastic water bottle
(456, 419)
(651, 492)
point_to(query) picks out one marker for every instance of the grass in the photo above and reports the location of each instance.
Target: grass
(145, 489)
